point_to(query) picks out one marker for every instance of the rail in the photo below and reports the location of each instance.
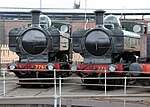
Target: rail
(57, 94)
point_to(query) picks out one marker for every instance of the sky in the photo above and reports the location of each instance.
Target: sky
(91, 4)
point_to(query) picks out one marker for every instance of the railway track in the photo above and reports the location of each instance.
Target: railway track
(43, 91)
(10, 90)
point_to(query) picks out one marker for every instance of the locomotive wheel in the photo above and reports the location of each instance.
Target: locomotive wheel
(135, 67)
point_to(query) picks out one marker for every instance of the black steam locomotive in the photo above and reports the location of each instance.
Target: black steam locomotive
(42, 47)
(105, 48)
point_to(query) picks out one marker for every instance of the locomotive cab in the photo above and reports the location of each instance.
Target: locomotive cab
(45, 21)
(112, 22)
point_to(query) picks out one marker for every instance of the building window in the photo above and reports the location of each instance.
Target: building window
(8, 52)
(3, 52)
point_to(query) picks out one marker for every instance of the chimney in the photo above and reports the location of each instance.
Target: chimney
(99, 17)
(35, 14)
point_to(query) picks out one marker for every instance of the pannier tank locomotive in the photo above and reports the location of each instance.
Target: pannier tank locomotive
(107, 47)
(42, 47)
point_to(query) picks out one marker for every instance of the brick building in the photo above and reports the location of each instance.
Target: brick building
(20, 17)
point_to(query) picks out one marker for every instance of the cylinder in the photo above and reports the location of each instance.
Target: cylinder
(99, 17)
(35, 17)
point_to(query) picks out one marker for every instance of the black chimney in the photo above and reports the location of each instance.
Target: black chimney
(35, 17)
(99, 17)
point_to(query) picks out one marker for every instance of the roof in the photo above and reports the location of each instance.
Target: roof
(68, 13)
(70, 10)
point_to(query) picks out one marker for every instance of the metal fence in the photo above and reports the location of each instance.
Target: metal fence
(57, 94)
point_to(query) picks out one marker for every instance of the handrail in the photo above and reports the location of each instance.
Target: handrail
(4, 80)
